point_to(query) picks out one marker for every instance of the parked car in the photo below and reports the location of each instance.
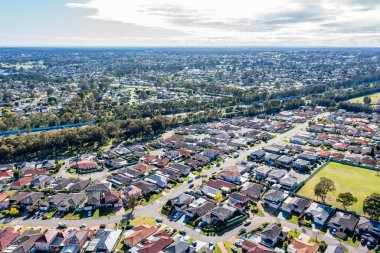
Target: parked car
(191, 186)
(182, 232)
(247, 222)
(158, 219)
(177, 216)
(62, 225)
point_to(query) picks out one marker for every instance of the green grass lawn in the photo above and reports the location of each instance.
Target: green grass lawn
(374, 98)
(151, 200)
(360, 182)
(141, 220)
(217, 249)
(227, 246)
(103, 212)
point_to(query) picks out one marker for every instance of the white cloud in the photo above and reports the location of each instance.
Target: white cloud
(255, 22)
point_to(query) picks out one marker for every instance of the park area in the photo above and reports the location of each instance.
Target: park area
(375, 98)
(359, 181)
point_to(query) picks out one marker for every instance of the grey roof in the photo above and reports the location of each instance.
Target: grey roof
(346, 221)
(179, 246)
(272, 232)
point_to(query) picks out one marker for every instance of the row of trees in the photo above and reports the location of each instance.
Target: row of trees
(371, 204)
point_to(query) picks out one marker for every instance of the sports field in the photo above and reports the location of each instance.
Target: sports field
(374, 99)
(360, 182)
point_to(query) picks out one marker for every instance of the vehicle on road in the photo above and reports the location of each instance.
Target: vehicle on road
(191, 186)
(158, 219)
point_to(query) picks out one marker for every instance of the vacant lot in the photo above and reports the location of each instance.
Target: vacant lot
(360, 182)
(374, 99)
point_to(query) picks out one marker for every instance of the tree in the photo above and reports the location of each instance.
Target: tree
(367, 100)
(347, 199)
(132, 202)
(14, 211)
(218, 197)
(324, 186)
(371, 206)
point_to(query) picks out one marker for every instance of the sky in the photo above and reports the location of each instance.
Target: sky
(338, 23)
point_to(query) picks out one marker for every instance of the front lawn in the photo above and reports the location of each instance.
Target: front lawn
(143, 220)
(103, 212)
(153, 198)
(359, 181)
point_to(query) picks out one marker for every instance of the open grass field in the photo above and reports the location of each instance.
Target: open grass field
(360, 182)
(374, 99)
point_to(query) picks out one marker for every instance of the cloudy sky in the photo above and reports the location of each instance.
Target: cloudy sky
(190, 22)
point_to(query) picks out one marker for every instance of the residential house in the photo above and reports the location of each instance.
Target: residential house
(284, 161)
(71, 202)
(301, 165)
(154, 244)
(160, 180)
(250, 246)
(93, 201)
(146, 187)
(75, 241)
(17, 197)
(256, 156)
(253, 191)
(230, 174)
(105, 241)
(182, 201)
(85, 166)
(116, 163)
(368, 229)
(180, 246)
(144, 168)
(50, 240)
(7, 236)
(78, 185)
(298, 246)
(183, 169)
(21, 183)
(219, 214)
(131, 173)
(137, 234)
(119, 180)
(343, 222)
(312, 157)
(24, 243)
(288, 183)
(238, 201)
(131, 190)
(31, 200)
(270, 158)
(274, 198)
(262, 172)
(40, 182)
(275, 176)
(52, 202)
(112, 199)
(272, 234)
(99, 187)
(319, 213)
(295, 205)
(199, 208)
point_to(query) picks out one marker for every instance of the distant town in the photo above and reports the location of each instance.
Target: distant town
(150, 150)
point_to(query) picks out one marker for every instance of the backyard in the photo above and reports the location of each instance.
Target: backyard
(359, 181)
